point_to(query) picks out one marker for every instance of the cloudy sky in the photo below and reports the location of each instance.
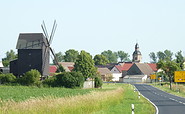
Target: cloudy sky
(97, 25)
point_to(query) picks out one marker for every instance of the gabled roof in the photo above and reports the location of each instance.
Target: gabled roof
(31, 41)
(145, 68)
(104, 71)
(140, 69)
(153, 66)
(124, 67)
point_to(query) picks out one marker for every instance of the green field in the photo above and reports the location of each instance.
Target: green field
(112, 98)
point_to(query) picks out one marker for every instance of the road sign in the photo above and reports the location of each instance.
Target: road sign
(179, 76)
(152, 76)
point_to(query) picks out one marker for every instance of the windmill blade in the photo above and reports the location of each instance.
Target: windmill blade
(53, 32)
(55, 58)
(45, 30)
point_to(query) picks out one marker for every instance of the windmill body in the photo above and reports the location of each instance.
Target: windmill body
(32, 54)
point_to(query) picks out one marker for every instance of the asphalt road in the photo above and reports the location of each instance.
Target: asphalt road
(166, 103)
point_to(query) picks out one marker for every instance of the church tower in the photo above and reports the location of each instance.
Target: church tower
(137, 57)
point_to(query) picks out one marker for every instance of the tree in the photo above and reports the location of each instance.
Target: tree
(180, 59)
(59, 57)
(85, 65)
(169, 67)
(123, 56)
(160, 55)
(168, 55)
(70, 79)
(10, 55)
(70, 55)
(111, 56)
(100, 60)
(31, 77)
(153, 57)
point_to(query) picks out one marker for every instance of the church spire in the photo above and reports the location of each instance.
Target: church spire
(137, 54)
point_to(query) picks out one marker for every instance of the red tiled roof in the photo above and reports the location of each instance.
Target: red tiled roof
(125, 67)
(52, 69)
(153, 66)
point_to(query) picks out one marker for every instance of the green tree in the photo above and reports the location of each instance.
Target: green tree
(169, 67)
(180, 59)
(100, 60)
(59, 57)
(31, 77)
(10, 55)
(7, 78)
(168, 55)
(70, 79)
(123, 56)
(153, 57)
(111, 56)
(70, 55)
(161, 55)
(85, 65)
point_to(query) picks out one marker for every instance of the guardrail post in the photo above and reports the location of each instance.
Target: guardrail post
(132, 106)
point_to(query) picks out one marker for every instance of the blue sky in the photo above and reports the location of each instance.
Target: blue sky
(97, 25)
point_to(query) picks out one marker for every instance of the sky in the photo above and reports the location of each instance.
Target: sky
(97, 25)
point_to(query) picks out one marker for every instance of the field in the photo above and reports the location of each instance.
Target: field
(113, 98)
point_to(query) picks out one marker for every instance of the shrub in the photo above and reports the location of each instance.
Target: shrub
(50, 82)
(70, 79)
(7, 78)
(30, 78)
(98, 81)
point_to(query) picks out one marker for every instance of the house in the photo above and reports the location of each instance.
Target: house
(138, 72)
(118, 70)
(68, 66)
(105, 73)
(52, 70)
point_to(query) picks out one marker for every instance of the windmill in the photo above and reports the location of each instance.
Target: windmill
(34, 52)
(49, 41)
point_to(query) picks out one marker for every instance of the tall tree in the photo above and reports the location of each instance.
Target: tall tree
(100, 60)
(111, 56)
(123, 56)
(161, 55)
(169, 67)
(71, 55)
(180, 59)
(153, 57)
(85, 65)
(168, 55)
(59, 57)
(10, 55)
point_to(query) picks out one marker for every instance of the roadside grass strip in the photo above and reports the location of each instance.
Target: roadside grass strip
(87, 103)
(142, 106)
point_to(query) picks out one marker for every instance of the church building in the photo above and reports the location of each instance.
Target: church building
(137, 56)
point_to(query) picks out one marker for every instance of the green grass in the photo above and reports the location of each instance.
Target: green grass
(177, 89)
(111, 99)
(142, 106)
(22, 93)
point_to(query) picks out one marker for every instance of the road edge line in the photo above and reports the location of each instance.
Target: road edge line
(156, 108)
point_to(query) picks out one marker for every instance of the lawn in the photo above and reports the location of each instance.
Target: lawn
(112, 98)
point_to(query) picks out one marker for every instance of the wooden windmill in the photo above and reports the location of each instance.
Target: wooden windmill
(34, 52)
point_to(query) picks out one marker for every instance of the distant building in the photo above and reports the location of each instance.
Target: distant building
(105, 73)
(137, 56)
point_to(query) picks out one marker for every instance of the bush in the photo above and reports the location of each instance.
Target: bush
(50, 82)
(7, 78)
(70, 79)
(30, 78)
(98, 82)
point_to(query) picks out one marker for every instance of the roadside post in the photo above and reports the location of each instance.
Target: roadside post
(139, 95)
(132, 107)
